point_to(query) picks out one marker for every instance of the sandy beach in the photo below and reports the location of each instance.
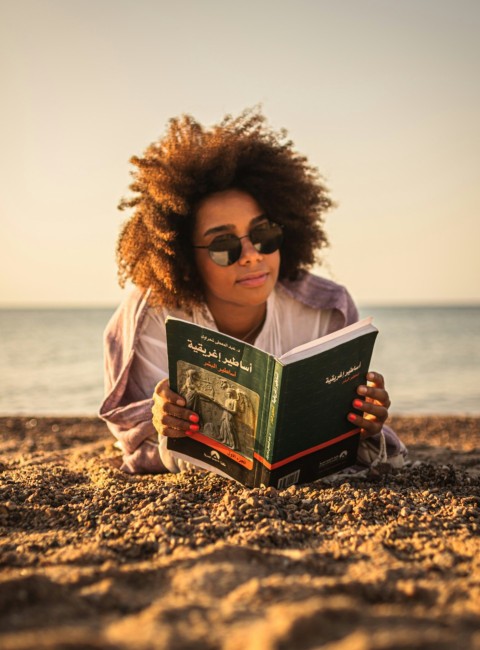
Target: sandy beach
(93, 558)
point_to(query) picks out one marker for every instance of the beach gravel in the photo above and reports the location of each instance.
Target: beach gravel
(91, 557)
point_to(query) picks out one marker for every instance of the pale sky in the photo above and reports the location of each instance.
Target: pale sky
(383, 96)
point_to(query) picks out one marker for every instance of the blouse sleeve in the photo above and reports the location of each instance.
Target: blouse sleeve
(127, 405)
(150, 361)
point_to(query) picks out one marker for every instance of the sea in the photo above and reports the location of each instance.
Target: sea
(51, 359)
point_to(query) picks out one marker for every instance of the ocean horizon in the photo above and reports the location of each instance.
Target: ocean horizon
(51, 358)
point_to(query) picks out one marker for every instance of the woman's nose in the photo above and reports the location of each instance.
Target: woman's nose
(249, 252)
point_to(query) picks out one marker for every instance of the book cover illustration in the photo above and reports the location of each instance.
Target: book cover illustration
(228, 411)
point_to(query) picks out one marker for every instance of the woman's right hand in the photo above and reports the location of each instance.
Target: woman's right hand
(170, 417)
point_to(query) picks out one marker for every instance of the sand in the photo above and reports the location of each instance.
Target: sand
(93, 558)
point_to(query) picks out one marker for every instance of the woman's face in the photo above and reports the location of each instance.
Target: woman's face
(247, 282)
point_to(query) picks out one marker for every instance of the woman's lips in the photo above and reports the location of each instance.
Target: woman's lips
(253, 280)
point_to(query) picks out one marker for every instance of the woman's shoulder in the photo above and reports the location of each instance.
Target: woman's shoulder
(317, 292)
(134, 302)
(135, 316)
(128, 310)
(320, 293)
(125, 323)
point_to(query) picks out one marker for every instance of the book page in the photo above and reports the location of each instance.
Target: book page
(328, 341)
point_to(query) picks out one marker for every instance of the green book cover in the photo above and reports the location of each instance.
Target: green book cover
(268, 421)
(227, 382)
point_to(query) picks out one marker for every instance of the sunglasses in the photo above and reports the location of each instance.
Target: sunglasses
(266, 238)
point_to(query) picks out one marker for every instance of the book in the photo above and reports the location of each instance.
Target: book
(266, 420)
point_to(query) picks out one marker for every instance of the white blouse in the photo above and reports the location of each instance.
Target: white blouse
(288, 323)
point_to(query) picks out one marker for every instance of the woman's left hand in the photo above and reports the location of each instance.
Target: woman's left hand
(374, 407)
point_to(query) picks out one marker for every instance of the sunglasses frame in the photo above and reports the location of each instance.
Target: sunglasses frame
(233, 237)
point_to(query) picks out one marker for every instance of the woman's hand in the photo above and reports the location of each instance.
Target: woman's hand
(170, 417)
(374, 407)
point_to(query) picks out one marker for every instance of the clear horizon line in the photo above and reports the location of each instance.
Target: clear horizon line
(360, 304)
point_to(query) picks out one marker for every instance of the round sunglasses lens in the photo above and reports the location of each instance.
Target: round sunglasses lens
(267, 240)
(225, 252)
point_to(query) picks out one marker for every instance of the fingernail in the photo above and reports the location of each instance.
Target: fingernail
(352, 417)
(180, 402)
(194, 427)
(362, 390)
(371, 376)
(193, 418)
(358, 404)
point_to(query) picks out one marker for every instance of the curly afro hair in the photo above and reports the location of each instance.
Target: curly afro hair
(191, 162)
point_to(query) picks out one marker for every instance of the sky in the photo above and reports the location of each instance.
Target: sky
(382, 96)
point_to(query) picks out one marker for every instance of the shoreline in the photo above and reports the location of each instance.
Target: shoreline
(94, 558)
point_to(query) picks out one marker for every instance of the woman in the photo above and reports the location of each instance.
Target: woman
(226, 221)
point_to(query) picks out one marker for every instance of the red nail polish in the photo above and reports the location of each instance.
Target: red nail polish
(193, 418)
(358, 404)
(352, 417)
(194, 427)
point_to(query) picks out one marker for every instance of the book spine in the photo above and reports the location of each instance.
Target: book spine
(263, 476)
